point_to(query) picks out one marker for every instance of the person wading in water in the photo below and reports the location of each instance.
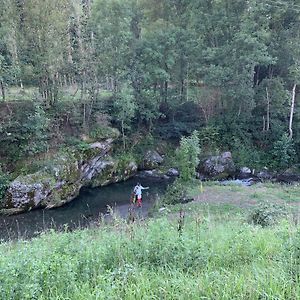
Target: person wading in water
(137, 191)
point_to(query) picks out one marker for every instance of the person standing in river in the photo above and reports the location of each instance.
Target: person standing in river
(138, 194)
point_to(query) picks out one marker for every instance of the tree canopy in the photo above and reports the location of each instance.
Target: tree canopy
(177, 65)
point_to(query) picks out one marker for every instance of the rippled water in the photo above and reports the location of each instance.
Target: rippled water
(82, 211)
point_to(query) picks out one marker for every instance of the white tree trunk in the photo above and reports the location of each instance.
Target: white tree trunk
(292, 111)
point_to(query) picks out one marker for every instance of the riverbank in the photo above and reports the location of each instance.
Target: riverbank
(83, 212)
(214, 254)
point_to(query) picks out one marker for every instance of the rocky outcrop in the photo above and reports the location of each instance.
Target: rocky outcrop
(172, 172)
(245, 173)
(218, 167)
(264, 174)
(290, 175)
(153, 174)
(151, 160)
(61, 182)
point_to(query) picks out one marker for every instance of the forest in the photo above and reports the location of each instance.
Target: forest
(99, 96)
(153, 69)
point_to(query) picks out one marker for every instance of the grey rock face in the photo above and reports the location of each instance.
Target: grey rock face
(218, 167)
(151, 160)
(245, 173)
(61, 183)
(172, 172)
(265, 174)
(153, 174)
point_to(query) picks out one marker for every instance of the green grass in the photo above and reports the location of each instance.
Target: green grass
(217, 256)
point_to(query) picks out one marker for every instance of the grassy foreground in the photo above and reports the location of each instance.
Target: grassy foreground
(218, 255)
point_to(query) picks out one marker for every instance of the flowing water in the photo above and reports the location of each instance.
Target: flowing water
(83, 211)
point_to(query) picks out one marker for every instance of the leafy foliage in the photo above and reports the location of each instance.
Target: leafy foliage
(168, 67)
(209, 138)
(267, 214)
(176, 193)
(4, 180)
(187, 156)
(283, 152)
(103, 132)
(26, 134)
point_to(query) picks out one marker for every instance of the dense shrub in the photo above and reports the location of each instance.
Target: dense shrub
(4, 180)
(283, 153)
(103, 132)
(267, 214)
(209, 138)
(176, 193)
(188, 156)
(24, 132)
(247, 155)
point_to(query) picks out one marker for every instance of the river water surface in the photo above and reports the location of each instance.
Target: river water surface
(83, 211)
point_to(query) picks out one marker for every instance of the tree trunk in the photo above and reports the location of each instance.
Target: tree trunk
(123, 135)
(166, 90)
(187, 82)
(2, 90)
(292, 111)
(84, 117)
(268, 110)
(69, 47)
(79, 36)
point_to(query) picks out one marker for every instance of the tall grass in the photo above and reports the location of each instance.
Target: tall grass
(213, 258)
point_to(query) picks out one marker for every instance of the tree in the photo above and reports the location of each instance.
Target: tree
(187, 156)
(124, 109)
(283, 153)
(44, 40)
(111, 23)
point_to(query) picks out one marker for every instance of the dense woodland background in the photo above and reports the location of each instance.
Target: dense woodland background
(157, 70)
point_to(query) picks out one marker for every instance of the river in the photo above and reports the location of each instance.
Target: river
(83, 211)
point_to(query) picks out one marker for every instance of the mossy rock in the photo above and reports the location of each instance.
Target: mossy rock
(61, 181)
(113, 171)
(28, 192)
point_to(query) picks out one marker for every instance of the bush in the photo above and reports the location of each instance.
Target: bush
(187, 156)
(283, 153)
(124, 159)
(104, 132)
(25, 132)
(247, 155)
(4, 181)
(267, 214)
(175, 193)
(209, 138)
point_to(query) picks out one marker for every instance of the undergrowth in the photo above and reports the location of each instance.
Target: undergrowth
(212, 258)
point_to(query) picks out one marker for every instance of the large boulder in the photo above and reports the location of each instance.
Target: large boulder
(245, 173)
(112, 171)
(153, 174)
(265, 174)
(151, 160)
(292, 174)
(172, 172)
(218, 167)
(60, 183)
